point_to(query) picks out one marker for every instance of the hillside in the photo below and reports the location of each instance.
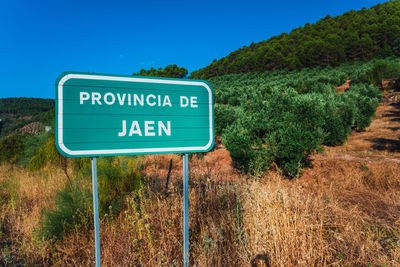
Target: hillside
(354, 36)
(342, 212)
(15, 113)
(25, 106)
(313, 125)
(282, 117)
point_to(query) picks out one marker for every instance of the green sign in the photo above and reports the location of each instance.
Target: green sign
(104, 115)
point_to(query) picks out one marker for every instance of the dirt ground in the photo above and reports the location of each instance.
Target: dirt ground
(344, 87)
(378, 144)
(380, 141)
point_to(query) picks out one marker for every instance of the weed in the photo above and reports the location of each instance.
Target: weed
(207, 241)
(340, 256)
(364, 166)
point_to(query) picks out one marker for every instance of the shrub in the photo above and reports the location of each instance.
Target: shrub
(382, 69)
(117, 177)
(240, 143)
(365, 99)
(284, 129)
(224, 116)
(48, 153)
(294, 129)
(338, 120)
(72, 211)
(283, 116)
(12, 148)
(32, 144)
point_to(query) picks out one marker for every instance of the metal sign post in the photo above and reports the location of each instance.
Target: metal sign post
(185, 210)
(96, 212)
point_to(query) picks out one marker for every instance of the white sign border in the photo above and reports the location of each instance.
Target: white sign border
(110, 152)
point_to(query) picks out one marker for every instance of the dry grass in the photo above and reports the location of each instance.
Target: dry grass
(361, 207)
(149, 231)
(345, 216)
(23, 196)
(217, 163)
(285, 226)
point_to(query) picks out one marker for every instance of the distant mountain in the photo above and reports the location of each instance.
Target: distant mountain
(18, 112)
(25, 106)
(354, 36)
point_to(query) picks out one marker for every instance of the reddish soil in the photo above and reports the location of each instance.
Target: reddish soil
(344, 87)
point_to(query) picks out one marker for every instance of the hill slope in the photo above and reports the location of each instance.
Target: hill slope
(25, 105)
(17, 112)
(354, 36)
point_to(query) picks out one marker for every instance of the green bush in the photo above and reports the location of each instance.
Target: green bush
(294, 129)
(283, 116)
(72, 211)
(382, 69)
(117, 177)
(338, 120)
(32, 144)
(12, 148)
(245, 148)
(365, 99)
(226, 116)
(48, 153)
(285, 129)
(238, 142)
(20, 149)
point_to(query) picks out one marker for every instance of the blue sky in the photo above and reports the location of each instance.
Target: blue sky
(41, 39)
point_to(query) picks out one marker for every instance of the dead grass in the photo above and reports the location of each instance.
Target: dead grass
(216, 163)
(362, 205)
(24, 195)
(149, 231)
(285, 226)
(345, 216)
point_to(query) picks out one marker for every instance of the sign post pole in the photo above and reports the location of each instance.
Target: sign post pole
(185, 210)
(96, 212)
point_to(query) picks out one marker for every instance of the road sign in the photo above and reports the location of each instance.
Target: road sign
(104, 115)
